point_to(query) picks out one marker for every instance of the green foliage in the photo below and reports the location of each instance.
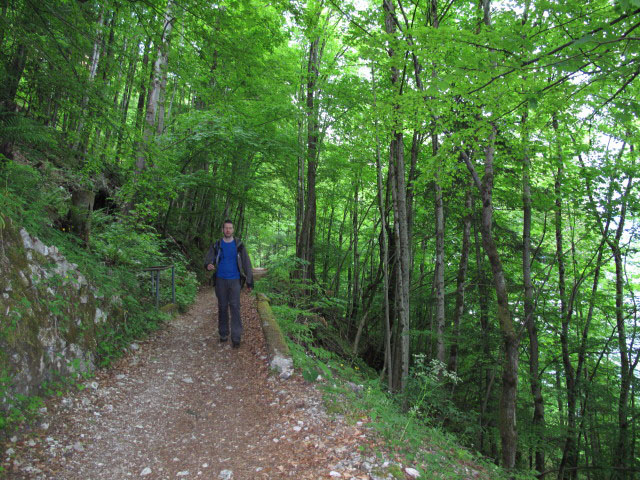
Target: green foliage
(125, 242)
(19, 408)
(24, 131)
(30, 196)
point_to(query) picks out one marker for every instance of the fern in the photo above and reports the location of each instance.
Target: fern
(18, 129)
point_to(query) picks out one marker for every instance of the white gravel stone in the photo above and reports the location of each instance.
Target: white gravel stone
(146, 471)
(412, 472)
(225, 475)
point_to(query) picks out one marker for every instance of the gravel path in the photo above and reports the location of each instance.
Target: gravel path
(183, 405)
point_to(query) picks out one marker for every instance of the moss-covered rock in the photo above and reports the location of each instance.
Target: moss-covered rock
(50, 315)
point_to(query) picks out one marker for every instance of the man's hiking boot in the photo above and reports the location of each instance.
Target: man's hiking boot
(235, 344)
(223, 339)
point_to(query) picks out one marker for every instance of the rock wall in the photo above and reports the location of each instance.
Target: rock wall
(50, 315)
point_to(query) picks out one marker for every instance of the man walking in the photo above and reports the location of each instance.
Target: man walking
(229, 260)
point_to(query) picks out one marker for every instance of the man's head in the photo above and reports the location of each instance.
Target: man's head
(227, 229)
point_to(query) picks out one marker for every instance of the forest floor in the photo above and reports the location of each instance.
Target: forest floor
(183, 405)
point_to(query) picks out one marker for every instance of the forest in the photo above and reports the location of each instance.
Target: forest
(446, 191)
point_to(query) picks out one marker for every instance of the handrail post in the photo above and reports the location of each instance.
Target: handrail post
(157, 288)
(173, 284)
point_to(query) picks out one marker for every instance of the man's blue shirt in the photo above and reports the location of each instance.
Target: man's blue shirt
(228, 265)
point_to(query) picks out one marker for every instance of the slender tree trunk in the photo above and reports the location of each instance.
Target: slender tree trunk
(569, 455)
(142, 89)
(530, 321)
(399, 195)
(622, 456)
(439, 270)
(383, 247)
(461, 281)
(508, 434)
(300, 192)
(355, 297)
(9, 91)
(306, 247)
(159, 68)
(325, 263)
(83, 137)
(126, 97)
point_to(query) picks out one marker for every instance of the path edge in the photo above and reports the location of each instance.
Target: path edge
(277, 348)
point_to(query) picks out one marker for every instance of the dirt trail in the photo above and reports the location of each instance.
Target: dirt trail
(183, 405)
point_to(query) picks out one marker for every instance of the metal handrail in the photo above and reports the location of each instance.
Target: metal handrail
(155, 281)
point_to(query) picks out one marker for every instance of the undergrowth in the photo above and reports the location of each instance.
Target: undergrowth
(412, 426)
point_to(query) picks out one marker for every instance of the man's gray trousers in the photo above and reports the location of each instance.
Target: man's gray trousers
(228, 293)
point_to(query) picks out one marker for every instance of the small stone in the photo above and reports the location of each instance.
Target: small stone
(412, 472)
(94, 385)
(134, 346)
(205, 465)
(297, 428)
(225, 475)
(146, 471)
(184, 473)
(335, 474)
(78, 447)
(187, 380)
(44, 426)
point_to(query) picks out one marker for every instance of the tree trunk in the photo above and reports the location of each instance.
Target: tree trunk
(83, 136)
(530, 321)
(355, 297)
(399, 196)
(569, 454)
(9, 91)
(159, 68)
(383, 247)
(306, 241)
(461, 282)
(508, 434)
(80, 214)
(622, 456)
(439, 270)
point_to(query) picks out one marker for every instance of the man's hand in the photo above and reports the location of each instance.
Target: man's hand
(210, 267)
